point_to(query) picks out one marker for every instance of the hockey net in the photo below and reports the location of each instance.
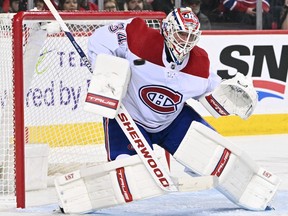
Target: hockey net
(43, 85)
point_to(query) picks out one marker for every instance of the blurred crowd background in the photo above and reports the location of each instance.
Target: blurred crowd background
(213, 14)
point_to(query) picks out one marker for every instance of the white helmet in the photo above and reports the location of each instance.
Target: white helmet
(181, 32)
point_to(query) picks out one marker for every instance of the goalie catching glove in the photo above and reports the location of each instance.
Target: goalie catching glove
(233, 96)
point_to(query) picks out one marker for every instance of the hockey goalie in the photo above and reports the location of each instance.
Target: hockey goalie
(141, 82)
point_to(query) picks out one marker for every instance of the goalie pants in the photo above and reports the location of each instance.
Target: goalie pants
(116, 142)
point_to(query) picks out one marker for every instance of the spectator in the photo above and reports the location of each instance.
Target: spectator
(39, 5)
(110, 5)
(246, 11)
(275, 10)
(136, 5)
(163, 5)
(68, 5)
(203, 19)
(120, 4)
(248, 6)
(23, 5)
(14, 6)
(212, 9)
(1, 6)
(5, 5)
(87, 5)
(284, 16)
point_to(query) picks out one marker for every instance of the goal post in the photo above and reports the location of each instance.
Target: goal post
(45, 86)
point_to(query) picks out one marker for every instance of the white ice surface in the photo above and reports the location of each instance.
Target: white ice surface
(270, 151)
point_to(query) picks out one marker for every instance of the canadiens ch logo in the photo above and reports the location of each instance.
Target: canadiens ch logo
(160, 99)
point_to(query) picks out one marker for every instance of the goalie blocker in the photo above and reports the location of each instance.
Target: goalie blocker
(111, 76)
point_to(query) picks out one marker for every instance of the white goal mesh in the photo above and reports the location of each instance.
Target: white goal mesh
(47, 109)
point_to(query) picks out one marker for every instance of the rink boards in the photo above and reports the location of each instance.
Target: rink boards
(252, 54)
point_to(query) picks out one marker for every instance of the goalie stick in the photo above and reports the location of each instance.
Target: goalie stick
(123, 118)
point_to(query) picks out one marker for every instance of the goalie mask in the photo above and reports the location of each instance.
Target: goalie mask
(181, 32)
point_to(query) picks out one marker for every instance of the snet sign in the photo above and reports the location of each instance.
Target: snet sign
(277, 72)
(262, 56)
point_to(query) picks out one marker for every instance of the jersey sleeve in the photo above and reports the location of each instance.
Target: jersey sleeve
(110, 39)
(213, 81)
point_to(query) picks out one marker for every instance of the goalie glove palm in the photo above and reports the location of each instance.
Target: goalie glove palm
(233, 96)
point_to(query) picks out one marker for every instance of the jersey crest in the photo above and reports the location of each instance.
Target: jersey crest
(160, 99)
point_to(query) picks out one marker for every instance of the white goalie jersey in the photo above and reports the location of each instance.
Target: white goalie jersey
(158, 88)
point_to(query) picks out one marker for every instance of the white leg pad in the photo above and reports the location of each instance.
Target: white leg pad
(110, 184)
(240, 179)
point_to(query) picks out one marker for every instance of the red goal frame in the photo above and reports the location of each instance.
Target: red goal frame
(17, 46)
